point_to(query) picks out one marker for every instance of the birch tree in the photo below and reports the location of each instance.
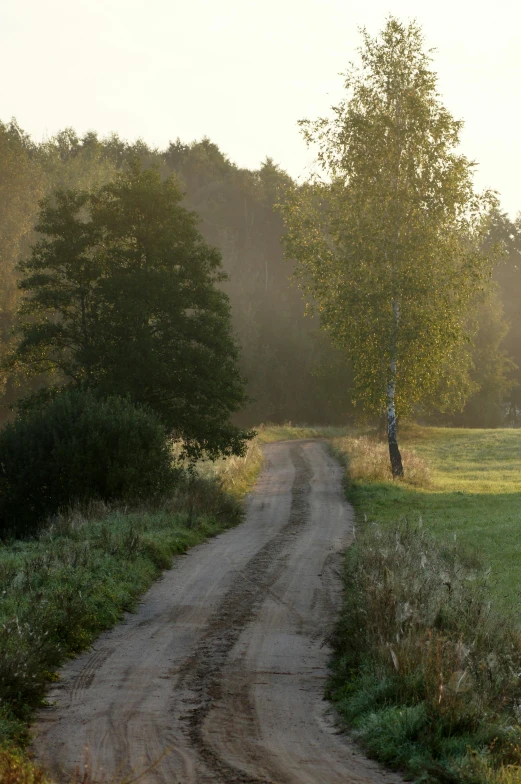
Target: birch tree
(386, 234)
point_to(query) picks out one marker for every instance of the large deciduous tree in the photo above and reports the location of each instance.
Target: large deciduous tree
(387, 242)
(121, 294)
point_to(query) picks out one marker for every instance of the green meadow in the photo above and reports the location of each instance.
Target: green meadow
(474, 497)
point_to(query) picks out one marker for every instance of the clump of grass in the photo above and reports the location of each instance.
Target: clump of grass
(235, 475)
(425, 671)
(367, 459)
(238, 474)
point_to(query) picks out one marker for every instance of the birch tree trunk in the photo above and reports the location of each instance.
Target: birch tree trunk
(394, 452)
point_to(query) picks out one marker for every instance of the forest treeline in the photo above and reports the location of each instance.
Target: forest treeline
(292, 370)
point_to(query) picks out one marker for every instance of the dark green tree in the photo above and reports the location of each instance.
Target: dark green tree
(121, 294)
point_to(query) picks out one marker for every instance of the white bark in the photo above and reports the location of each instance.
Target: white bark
(394, 452)
(391, 407)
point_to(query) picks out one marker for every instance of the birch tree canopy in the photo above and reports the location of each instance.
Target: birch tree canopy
(387, 233)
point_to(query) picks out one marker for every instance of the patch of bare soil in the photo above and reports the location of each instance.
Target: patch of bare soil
(219, 677)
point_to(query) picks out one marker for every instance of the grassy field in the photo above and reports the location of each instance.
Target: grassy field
(474, 496)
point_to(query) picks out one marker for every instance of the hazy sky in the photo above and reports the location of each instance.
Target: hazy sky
(244, 72)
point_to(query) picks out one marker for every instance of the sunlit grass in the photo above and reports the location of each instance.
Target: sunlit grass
(267, 434)
(471, 461)
(474, 497)
(236, 475)
(367, 459)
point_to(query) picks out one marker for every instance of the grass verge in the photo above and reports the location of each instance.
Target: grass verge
(426, 673)
(60, 590)
(473, 495)
(427, 666)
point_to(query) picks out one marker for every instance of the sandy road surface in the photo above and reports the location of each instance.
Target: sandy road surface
(219, 676)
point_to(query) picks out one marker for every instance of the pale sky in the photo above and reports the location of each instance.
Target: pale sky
(244, 72)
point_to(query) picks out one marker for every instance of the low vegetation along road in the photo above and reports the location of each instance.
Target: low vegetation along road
(219, 677)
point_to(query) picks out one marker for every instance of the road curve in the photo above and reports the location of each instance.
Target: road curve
(219, 676)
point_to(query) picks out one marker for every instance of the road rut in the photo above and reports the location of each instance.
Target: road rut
(219, 676)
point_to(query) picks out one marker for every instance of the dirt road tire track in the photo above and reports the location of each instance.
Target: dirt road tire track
(219, 677)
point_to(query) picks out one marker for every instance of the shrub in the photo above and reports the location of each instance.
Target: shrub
(76, 448)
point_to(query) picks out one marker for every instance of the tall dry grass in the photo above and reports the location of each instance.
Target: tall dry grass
(426, 671)
(236, 475)
(367, 459)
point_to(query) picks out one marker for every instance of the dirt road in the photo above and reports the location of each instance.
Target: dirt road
(219, 676)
